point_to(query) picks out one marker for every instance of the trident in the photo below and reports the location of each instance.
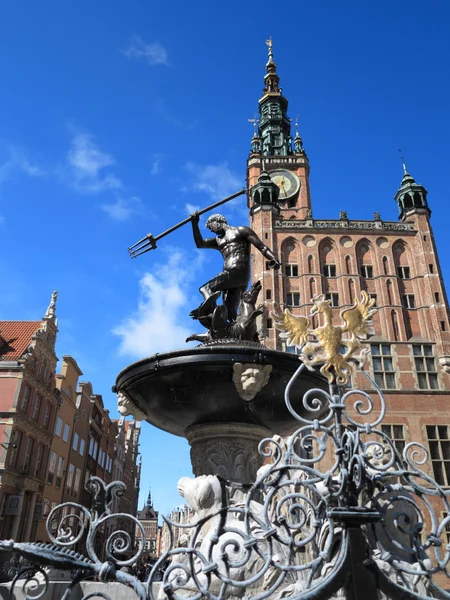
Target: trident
(149, 242)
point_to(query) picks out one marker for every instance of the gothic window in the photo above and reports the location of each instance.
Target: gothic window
(395, 327)
(385, 265)
(312, 288)
(409, 301)
(310, 264)
(383, 366)
(443, 327)
(293, 299)
(364, 256)
(402, 260)
(351, 291)
(425, 365)
(397, 434)
(327, 257)
(431, 269)
(291, 270)
(334, 297)
(348, 264)
(407, 201)
(436, 297)
(439, 443)
(389, 291)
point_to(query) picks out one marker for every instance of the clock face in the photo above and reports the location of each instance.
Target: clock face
(287, 182)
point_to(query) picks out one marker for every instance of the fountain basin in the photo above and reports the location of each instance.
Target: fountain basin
(179, 389)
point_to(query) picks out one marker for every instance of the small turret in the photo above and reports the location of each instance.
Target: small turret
(265, 193)
(411, 196)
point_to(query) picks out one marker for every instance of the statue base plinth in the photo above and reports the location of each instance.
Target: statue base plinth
(229, 450)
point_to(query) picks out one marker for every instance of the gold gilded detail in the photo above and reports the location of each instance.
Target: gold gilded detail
(327, 344)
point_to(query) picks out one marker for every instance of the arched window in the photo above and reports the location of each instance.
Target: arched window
(385, 265)
(351, 290)
(395, 327)
(327, 255)
(348, 264)
(289, 258)
(402, 260)
(365, 259)
(310, 263)
(312, 288)
(389, 291)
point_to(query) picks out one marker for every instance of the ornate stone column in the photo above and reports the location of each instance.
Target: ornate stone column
(226, 449)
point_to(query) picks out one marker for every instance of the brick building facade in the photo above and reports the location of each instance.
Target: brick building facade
(54, 433)
(396, 262)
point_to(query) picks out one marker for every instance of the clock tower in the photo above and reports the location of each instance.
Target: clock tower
(274, 159)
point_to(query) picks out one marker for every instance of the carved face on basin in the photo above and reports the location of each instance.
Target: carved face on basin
(249, 379)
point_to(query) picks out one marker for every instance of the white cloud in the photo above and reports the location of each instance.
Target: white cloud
(87, 164)
(153, 53)
(161, 321)
(217, 180)
(156, 164)
(122, 209)
(18, 161)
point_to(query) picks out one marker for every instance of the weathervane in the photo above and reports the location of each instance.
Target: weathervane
(405, 170)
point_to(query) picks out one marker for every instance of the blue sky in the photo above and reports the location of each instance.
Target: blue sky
(118, 118)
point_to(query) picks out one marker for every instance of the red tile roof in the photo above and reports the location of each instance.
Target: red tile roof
(17, 337)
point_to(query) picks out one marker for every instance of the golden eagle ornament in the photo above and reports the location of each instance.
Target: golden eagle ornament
(329, 345)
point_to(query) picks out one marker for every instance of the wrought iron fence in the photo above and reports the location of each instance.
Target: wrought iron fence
(337, 510)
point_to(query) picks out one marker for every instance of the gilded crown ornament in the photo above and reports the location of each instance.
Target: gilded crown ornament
(332, 346)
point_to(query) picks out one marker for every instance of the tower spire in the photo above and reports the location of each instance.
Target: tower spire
(149, 497)
(274, 127)
(411, 197)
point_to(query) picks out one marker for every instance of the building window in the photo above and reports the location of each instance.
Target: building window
(329, 270)
(15, 448)
(425, 366)
(76, 483)
(408, 301)
(397, 434)
(66, 432)
(28, 454)
(291, 270)
(37, 407)
(293, 298)
(373, 297)
(367, 271)
(439, 443)
(39, 457)
(334, 297)
(75, 442)
(59, 472)
(269, 323)
(431, 268)
(385, 265)
(442, 325)
(268, 294)
(25, 398)
(383, 367)
(70, 475)
(51, 468)
(403, 272)
(82, 444)
(59, 424)
(436, 297)
(47, 415)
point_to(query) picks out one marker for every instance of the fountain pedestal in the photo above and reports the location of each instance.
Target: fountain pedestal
(229, 450)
